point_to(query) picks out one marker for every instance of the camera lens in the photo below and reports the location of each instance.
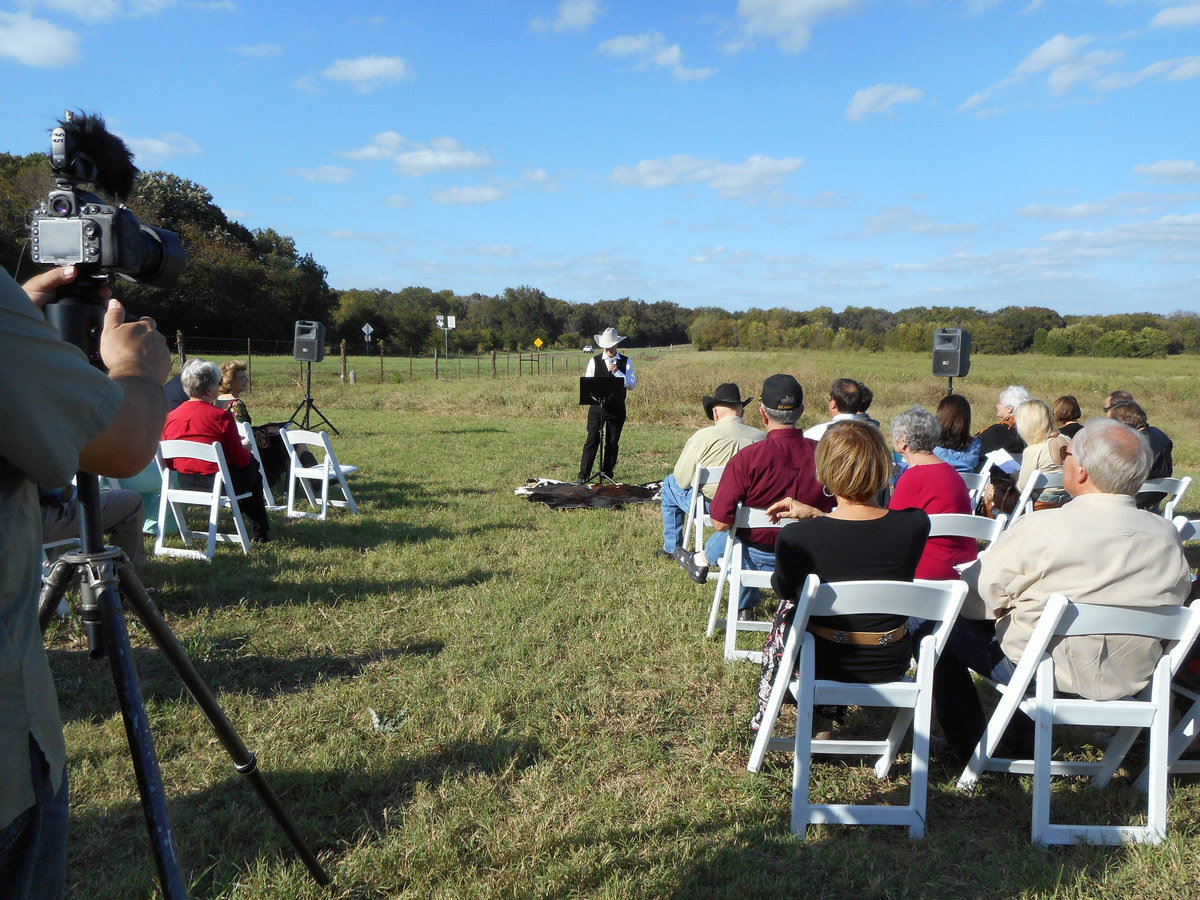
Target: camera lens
(61, 206)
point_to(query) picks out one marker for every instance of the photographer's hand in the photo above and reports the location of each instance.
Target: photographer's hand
(43, 288)
(138, 360)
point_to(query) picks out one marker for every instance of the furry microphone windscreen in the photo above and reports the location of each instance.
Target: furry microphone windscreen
(112, 168)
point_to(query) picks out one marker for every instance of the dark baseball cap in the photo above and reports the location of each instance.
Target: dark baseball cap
(782, 392)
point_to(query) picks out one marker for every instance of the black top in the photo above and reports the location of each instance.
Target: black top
(1070, 429)
(999, 437)
(883, 549)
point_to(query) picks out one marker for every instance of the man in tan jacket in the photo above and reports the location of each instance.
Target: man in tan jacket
(1099, 548)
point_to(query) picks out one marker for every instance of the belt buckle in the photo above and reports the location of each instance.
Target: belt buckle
(841, 637)
(885, 638)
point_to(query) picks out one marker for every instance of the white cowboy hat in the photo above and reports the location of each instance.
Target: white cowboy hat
(610, 338)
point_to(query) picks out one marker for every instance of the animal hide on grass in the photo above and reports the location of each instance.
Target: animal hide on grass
(568, 495)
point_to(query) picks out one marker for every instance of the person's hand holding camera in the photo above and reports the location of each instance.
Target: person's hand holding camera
(133, 348)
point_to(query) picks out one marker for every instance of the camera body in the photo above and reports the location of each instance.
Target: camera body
(74, 227)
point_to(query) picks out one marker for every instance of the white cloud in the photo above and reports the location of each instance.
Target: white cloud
(728, 179)
(1168, 231)
(505, 251)
(36, 42)
(904, 219)
(1054, 52)
(468, 195)
(171, 144)
(787, 22)
(1174, 170)
(88, 10)
(573, 15)
(326, 174)
(652, 50)
(367, 73)
(411, 158)
(398, 201)
(880, 98)
(259, 51)
(1177, 17)
(1086, 69)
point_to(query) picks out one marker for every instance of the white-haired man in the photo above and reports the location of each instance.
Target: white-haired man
(1100, 549)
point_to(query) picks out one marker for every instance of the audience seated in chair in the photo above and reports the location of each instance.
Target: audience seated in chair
(713, 445)
(779, 466)
(1003, 434)
(857, 541)
(1130, 413)
(934, 486)
(956, 445)
(121, 517)
(1097, 549)
(845, 403)
(200, 420)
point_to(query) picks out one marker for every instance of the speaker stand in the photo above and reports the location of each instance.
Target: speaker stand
(310, 406)
(949, 385)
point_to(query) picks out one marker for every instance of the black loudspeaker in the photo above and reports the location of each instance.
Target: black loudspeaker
(951, 352)
(309, 345)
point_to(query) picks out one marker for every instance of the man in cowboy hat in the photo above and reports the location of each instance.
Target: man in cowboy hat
(712, 445)
(610, 414)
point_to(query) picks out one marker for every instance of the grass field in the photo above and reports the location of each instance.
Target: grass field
(463, 694)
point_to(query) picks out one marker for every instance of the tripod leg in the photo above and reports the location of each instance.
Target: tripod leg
(323, 419)
(101, 580)
(243, 760)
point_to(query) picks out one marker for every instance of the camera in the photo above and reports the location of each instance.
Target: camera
(74, 227)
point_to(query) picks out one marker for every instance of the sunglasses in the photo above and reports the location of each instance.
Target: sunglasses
(1063, 453)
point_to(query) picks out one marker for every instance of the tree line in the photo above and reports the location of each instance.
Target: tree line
(243, 282)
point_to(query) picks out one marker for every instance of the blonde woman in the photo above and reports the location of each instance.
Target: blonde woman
(1043, 447)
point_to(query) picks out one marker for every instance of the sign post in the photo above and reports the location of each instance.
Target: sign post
(446, 323)
(367, 331)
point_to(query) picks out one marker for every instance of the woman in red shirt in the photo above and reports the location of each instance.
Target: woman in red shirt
(200, 421)
(931, 485)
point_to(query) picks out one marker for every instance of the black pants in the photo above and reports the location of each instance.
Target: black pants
(611, 419)
(245, 479)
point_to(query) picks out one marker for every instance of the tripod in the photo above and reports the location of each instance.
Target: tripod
(309, 405)
(107, 577)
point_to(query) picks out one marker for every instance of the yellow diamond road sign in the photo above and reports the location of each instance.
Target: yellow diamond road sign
(538, 343)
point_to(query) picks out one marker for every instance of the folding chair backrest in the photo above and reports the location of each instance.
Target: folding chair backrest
(1187, 528)
(976, 483)
(935, 601)
(694, 522)
(1037, 482)
(221, 494)
(246, 430)
(1174, 488)
(981, 528)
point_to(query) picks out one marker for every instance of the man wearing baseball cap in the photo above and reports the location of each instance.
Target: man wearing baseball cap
(759, 475)
(713, 445)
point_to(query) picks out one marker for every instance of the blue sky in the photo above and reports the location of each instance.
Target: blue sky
(739, 153)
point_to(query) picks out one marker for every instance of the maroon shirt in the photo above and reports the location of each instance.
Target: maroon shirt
(204, 423)
(780, 466)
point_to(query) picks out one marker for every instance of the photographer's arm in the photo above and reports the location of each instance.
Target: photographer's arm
(139, 362)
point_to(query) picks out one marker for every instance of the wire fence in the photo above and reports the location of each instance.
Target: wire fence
(382, 366)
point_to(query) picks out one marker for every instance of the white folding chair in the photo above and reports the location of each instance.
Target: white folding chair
(697, 517)
(733, 577)
(246, 430)
(981, 528)
(1174, 488)
(1039, 481)
(1187, 528)
(327, 471)
(1151, 708)
(912, 698)
(976, 483)
(221, 495)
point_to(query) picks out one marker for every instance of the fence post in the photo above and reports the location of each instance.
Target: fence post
(436, 361)
(381, 362)
(249, 362)
(477, 364)
(460, 368)
(345, 375)
(493, 363)
(410, 362)
(179, 349)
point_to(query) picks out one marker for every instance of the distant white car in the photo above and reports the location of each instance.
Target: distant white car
(587, 349)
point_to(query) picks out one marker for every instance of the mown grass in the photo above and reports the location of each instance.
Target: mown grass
(551, 721)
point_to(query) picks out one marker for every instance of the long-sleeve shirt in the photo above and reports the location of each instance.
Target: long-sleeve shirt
(204, 423)
(630, 378)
